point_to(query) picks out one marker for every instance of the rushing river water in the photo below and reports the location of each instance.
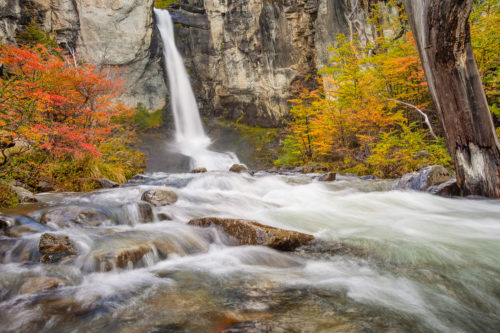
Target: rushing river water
(383, 261)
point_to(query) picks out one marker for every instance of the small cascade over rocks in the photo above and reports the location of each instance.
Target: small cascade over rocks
(190, 138)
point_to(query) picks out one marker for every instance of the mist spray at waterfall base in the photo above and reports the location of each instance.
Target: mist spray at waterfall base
(190, 138)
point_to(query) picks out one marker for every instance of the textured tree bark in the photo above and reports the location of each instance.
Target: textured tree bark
(441, 30)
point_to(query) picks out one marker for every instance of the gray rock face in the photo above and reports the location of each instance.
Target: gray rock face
(10, 13)
(245, 56)
(103, 32)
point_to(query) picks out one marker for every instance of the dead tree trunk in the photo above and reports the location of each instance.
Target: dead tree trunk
(441, 30)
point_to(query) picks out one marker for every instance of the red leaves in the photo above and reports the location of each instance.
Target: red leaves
(60, 108)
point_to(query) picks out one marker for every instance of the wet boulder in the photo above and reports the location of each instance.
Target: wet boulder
(73, 216)
(328, 177)
(238, 168)
(446, 189)
(424, 179)
(37, 284)
(160, 197)
(253, 233)
(145, 212)
(199, 170)
(55, 247)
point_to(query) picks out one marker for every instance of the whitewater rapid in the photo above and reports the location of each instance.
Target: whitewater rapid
(386, 261)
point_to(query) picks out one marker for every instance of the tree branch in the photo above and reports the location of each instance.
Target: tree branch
(426, 118)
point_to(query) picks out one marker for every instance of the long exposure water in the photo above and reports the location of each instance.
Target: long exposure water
(191, 139)
(382, 261)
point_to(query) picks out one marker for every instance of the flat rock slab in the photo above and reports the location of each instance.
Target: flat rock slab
(253, 233)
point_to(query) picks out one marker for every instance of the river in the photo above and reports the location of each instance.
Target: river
(383, 261)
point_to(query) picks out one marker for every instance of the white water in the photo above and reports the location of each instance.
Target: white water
(190, 137)
(419, 263)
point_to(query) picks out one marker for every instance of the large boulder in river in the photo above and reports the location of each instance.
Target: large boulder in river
(54, 248)
(121, 257)
(423, 179)
(73, 216)
(238, 168)
(253, 233)
(160, 197)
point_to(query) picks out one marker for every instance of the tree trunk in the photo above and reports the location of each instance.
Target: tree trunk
(441, 30)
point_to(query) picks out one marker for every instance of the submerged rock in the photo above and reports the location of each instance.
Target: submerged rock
(71, 216)
(55, 248)
(160, 197)
(199, 170)
(36, 284)
(253, 233)
(423, 179)
(164, 217)
(329, 177)
(238, 168)
(16, 226)
(120, 258)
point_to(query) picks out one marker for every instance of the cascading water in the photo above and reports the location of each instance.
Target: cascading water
(190, 137)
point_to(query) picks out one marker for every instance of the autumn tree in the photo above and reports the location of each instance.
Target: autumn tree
(57, 111)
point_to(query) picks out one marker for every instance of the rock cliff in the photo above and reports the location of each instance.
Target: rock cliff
(243, 56)
(104, 32)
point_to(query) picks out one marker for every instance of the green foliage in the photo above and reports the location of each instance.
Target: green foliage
(145, 120)
(404, 150)
(35, 35)
(7, 197)
(163, 4)
(290, 153)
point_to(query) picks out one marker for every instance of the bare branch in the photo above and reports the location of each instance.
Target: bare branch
(426, 118)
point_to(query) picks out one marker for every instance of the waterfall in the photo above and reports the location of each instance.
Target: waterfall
(190, 137)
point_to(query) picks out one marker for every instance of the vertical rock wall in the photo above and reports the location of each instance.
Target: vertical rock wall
(104, 32)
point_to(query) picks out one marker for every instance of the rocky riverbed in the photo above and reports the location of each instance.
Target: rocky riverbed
(235, 252)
